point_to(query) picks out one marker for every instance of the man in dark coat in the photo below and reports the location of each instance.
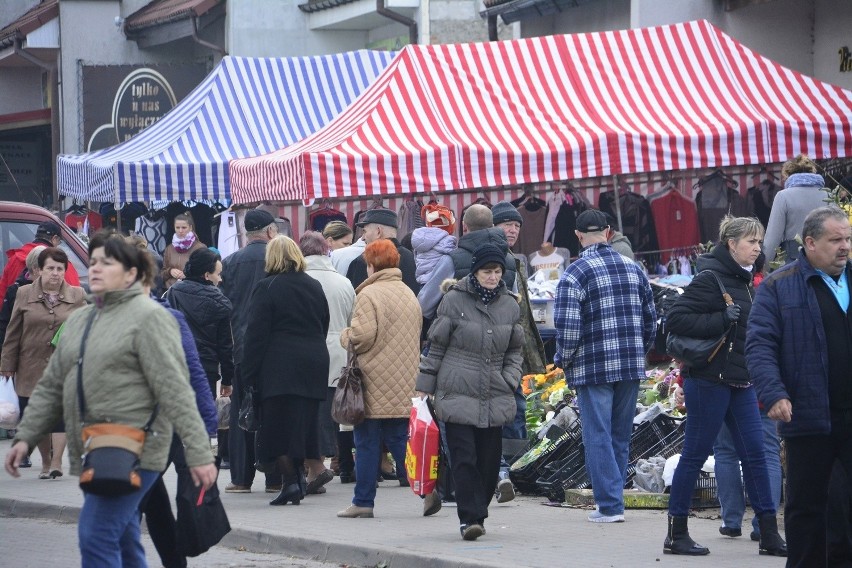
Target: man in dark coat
(381, 224)
(240, 272)
(799, 357)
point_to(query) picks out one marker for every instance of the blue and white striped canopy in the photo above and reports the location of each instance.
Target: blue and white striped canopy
(246, 107)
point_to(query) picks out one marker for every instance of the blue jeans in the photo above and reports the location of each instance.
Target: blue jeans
(369, 436)
(517, 428)
(708, 405)
(606, 413)
(108, 528)
(728, 479)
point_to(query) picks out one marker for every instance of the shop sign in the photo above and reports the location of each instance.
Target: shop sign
(22, 159)
(120, 101)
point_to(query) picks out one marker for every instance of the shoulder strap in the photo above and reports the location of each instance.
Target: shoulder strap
(81, 398)
(725, 296)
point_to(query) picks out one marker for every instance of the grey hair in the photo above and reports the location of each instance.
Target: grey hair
(32, 258)
(814, 225)
(313, 244)
(738, 228)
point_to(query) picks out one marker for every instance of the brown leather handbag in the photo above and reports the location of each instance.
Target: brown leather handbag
(347, 406)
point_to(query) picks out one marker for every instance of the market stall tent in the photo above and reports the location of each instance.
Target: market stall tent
(448, 117)
(246, 106)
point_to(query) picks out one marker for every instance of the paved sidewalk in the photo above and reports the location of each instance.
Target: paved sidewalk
(523, 532)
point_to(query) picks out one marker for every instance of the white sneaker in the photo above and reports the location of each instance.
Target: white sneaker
(505, 491)
(598, 517)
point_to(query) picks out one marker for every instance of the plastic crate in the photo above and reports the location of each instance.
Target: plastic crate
(531, 466)
(706, 495)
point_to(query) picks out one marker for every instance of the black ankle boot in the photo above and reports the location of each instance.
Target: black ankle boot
(291, 493)
(678, 541)
(771, 542)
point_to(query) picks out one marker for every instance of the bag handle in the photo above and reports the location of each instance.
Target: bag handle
(81, 397)
(729, 302)
(725, 296)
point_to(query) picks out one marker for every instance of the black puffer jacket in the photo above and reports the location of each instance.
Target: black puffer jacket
(700, 312)
(208, 313)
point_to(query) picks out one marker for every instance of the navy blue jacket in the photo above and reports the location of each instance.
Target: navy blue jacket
(786, 350)
(197, 376)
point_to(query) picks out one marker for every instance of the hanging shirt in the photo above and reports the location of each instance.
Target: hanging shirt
(229, 234)
(553, 264)
(153, 229)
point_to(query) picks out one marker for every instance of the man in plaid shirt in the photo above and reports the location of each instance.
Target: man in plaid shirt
(605, 324)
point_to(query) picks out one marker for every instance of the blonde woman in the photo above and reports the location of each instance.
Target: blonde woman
(286, 361)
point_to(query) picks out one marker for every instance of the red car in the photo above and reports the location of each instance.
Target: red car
(18, 223)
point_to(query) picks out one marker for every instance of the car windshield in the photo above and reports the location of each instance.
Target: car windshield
(15, 234)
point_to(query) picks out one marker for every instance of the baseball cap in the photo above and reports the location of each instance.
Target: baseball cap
(591, 221)
(49, 229)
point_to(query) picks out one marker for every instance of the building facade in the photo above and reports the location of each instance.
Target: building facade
(81, 75)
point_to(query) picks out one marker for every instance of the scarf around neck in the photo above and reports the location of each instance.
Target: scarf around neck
(486, 295)
(804, 180)
(184, 244)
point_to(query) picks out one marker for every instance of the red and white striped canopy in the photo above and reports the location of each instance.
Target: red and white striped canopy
(445, 117)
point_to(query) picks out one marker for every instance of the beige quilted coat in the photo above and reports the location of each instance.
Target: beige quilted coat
(385, 333)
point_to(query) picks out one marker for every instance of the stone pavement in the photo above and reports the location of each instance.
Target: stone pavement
(523, 532)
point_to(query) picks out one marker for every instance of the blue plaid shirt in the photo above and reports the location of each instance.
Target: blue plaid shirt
(604, 317)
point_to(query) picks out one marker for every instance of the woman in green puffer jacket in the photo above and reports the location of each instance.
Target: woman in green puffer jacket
(133, 361)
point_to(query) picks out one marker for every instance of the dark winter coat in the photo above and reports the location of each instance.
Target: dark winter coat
(787, 348)
(700, 312)
(241, 271)
(208, 313)
(473, 364)
(357, 272)
(284, 347)
(468, 243)
(9, 303)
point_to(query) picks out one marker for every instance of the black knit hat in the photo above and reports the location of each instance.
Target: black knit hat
(505, 211)
(485, 254)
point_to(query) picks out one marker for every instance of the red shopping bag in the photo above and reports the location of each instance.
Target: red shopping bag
(421, 452)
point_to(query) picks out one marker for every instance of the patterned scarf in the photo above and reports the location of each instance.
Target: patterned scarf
(486, 295)
(804, 180)
(183, 245)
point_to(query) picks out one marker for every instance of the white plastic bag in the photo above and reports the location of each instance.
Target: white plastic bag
(649, 475)
(10, 408)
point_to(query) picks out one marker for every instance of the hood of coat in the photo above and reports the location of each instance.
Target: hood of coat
(464, 285)
(115, 297)
(720, 260)
(319, 262)
(386, 275)
(426, 239)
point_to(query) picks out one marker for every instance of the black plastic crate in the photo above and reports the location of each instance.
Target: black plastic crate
(706, 495)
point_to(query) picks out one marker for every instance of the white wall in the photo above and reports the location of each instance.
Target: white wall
(20, 89)
(272, 28)
(833, 26)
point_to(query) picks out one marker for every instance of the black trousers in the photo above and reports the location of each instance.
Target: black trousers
(839, 533)
(241, 444)
(809, 465)
(475, 455)
(157, 508)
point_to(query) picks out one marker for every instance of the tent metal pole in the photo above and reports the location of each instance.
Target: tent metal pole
(616, 190)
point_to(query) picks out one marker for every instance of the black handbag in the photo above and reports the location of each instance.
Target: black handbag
(249, 418)
(696, 352)
(201, 518)
(111, 451)
(347, 406)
